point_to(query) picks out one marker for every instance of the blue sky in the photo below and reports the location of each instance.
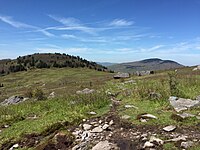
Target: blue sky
(102, 30)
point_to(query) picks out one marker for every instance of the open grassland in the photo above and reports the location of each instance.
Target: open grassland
(59, 80)
(38, 116)
(149, 94)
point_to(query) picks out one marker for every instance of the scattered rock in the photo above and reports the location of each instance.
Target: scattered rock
(111, 122)
(85, 135)
(126, 117)
(196, 68)
(169, 128)
(157, 140)
(105, 126)
(185, 115)
(180, 138)
(143, 73)
(148, 144)
(121, 75)
(97, 130)
(87, 126)
(148, 116)
(180, 104)
(86, 91)
(130, 106)
(105, 145)
(6, 126)
(14, 147)
(92, 113)
(13, 100)
(187, 144)
(81, 146)
(143, 120)
(51, 95)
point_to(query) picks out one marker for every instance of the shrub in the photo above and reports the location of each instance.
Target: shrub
(29, 93)
(39, 94)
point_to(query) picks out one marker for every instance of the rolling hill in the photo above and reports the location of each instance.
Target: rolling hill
(46, 60)
(152, 64)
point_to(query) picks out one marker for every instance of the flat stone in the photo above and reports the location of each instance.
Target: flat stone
(92, 113)
(148, 116)
(126, 117)
(12, 100)
(169, 128)
(185, 115)
(97, 130)
(180, 138)
(105, 145)
(181, 104)
(87, 126)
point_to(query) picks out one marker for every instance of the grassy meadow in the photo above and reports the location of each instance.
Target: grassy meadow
(41, 117)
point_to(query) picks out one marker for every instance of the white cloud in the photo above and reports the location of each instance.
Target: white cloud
(68, 36)
(152, 49)
(71, 24)
(9, 20)
(121, 22)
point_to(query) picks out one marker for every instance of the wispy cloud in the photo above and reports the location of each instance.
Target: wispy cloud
(71, 24)
(68, 36)
(121, 22)
(9, 20)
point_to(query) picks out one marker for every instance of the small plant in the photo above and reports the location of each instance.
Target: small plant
(39, 94)
(173, 84)
(29, 93)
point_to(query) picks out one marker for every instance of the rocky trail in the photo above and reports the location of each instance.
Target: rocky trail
(110, 132)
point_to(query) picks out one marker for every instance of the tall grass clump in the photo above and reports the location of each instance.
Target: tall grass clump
(173, 84)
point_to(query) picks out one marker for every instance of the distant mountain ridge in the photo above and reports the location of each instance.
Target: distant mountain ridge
(152, 64)
(106, 64)
(46, 60)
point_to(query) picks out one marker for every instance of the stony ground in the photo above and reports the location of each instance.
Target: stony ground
(110, 132)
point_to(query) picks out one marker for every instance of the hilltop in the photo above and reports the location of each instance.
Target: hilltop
(152, 64)
(46, 60)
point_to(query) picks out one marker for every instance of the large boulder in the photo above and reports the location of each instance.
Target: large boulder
(13, 100)
(121, 75)
(180, 104)
(196, 68)
(143, 73)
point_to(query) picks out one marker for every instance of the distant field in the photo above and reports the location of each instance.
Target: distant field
(60, 80)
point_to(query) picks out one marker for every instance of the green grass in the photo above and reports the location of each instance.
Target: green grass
(49, 112)
(188, 86)
(60, 80)
(67, 107)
